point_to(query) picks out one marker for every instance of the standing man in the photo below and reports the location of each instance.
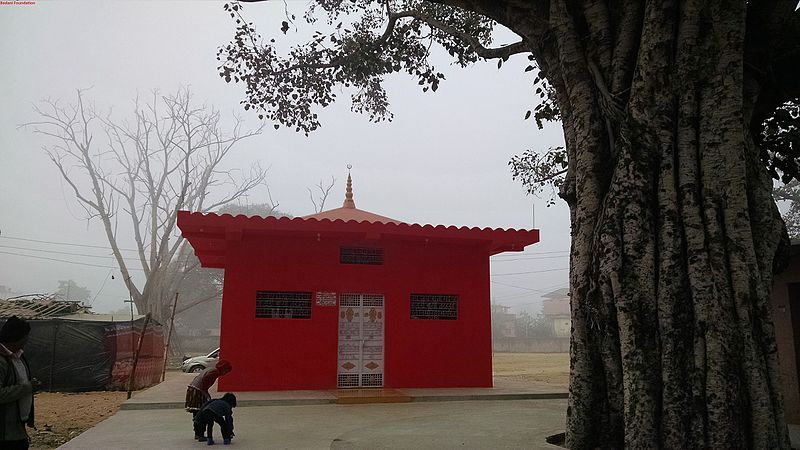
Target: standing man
(16, 392)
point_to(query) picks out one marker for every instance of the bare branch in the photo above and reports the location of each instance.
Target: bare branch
(197, 302)
(324, 191)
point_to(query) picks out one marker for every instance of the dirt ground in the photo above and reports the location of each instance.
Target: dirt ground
(60, 417)
(547, 368)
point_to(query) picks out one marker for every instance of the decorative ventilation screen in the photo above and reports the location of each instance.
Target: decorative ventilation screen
(372, 379)
(345, 380)
(434, 306)
(372, 300)
(285, 305)
(361, 255)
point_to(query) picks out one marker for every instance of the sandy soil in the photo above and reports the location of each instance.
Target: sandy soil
(60, 417)
(547, 368)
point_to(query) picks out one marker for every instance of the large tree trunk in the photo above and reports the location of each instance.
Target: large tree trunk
(674, 233)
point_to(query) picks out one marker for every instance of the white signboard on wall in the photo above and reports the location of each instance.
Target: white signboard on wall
(326, 298)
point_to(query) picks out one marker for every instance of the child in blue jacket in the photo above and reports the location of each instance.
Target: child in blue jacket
(219, 410)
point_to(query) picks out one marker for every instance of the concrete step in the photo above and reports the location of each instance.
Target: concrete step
(374, 395)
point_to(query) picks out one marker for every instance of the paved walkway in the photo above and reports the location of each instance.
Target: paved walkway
(486, 424)
(509, 415)
(170, 394)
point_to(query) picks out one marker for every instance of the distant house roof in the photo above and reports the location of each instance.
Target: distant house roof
(40, 309)
(558, 293)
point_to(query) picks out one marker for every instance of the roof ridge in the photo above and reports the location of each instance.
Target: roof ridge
(396, 223)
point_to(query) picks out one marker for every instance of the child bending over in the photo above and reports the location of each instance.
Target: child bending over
(219, 410)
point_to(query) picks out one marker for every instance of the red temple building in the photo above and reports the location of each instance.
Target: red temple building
(347, 298)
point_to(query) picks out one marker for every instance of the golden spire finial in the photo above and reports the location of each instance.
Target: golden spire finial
(348, 195)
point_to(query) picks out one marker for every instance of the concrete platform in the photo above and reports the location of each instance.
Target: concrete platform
(170, 394)
(487, 424)
(509, 415)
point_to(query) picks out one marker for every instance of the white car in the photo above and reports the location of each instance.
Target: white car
(197, 364)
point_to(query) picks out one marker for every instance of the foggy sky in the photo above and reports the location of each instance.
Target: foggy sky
(442, 160)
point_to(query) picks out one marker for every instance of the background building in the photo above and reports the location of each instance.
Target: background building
(555, 308)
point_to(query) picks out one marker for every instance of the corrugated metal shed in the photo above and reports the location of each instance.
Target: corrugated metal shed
(40, 309)
(104, 317)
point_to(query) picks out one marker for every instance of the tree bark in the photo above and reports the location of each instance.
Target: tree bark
(674, 234)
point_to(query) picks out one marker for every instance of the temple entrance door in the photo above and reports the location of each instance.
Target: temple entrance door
(360, 362)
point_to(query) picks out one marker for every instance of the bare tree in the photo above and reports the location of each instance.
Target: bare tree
(167, 157)
(324, 191)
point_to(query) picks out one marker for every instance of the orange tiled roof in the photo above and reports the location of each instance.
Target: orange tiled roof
(207, 231)
(347, 214)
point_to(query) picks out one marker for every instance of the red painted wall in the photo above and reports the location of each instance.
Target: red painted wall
(278, 354)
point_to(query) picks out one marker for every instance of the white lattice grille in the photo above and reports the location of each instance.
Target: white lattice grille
(372, 300)
(361, 255)
(286, 305)
(434, 306)
(372, 379)
(350, 300)
(347, 380)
